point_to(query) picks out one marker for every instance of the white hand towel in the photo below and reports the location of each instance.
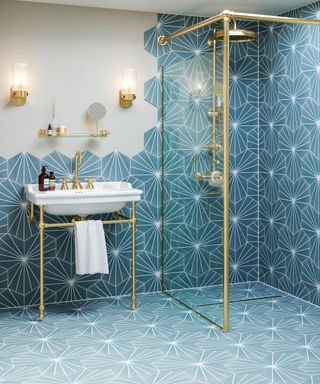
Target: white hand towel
(90, 247)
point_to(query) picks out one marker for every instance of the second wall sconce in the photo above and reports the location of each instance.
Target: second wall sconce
(18, 91)
(128, 87)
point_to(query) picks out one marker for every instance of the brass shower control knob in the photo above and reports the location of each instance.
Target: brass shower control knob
(211, 42)
(90, 182)
(213, 114)
(64, 184)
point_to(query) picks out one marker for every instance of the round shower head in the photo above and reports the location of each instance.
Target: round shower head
(237, 35)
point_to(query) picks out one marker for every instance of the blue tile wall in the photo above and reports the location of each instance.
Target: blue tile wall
(244, 103)
(19, 240)
(289, 122)
(274, 159)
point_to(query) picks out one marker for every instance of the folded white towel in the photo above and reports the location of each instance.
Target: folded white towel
(90, 247)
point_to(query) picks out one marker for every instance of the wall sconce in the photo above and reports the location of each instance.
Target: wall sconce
(128, 87)
(18, 92)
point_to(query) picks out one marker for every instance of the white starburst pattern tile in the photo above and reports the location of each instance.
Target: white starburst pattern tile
(297, 140)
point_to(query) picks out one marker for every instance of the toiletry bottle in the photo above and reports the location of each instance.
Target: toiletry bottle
(52, 182)
(50, 130)
(53, 119)
(43, 180)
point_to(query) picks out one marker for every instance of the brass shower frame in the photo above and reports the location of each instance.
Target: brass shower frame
(226, 16)
(42, 225)
(231, 15)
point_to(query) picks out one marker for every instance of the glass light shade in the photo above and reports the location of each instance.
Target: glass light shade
(129, 81)
(19, 76)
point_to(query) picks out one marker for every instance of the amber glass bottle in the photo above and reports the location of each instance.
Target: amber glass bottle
(52, 182)
(43, 180)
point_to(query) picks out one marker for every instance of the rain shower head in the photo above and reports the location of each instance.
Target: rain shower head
(236, 35)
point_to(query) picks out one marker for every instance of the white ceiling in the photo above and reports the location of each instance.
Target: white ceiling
(188, 7)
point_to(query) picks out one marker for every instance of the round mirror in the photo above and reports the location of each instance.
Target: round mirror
(97, 111)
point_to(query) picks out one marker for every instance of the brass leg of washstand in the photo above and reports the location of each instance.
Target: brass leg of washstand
(134, 302)
(41, 229)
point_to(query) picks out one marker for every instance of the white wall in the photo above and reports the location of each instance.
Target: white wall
(75, 57)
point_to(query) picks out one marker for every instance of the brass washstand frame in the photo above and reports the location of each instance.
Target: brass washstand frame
(226, 17)
(42, 225)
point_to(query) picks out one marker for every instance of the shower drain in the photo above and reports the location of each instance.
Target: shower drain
(239, 301)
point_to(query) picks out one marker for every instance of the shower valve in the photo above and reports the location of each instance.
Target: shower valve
(213, 114)
(216, 113)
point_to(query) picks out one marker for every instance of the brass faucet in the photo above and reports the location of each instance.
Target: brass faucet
(78, 160)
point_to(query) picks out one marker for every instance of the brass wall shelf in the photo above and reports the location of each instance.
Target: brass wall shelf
(42, 133)
(118, 218)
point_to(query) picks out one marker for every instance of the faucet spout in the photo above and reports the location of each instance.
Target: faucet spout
(78, 160)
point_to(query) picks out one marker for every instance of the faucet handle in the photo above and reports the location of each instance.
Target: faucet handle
(90, 184)
(64, 183)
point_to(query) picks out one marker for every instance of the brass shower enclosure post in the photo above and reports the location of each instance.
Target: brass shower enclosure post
(226, 21)
(119, 219)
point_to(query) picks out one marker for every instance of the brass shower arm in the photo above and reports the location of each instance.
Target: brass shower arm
(162, 40)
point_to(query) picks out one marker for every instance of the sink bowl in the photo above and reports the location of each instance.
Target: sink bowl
(106, 197)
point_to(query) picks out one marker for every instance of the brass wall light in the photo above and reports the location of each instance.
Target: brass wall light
(18, 92)
(128, 87)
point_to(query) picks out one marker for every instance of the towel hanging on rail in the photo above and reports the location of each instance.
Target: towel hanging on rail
(90, 247)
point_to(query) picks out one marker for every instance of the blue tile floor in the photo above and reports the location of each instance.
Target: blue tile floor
(271, 341)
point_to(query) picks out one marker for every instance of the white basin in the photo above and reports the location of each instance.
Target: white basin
(106, 197)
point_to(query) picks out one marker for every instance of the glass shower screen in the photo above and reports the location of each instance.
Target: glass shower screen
(192, 254)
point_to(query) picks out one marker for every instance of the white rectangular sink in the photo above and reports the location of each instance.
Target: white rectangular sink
(106, 197)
